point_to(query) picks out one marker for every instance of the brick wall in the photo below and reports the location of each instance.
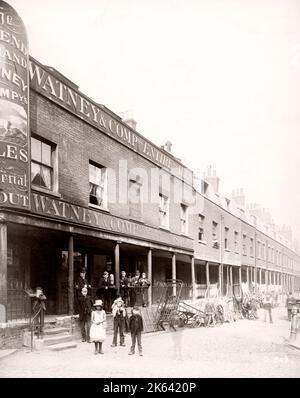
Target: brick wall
(78, 143)
(11, 336)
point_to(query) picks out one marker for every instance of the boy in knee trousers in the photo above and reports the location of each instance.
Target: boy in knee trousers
(136, 328)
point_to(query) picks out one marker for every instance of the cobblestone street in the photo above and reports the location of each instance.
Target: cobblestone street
(240, 349)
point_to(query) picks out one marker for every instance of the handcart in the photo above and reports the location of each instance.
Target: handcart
(191, 315)
(167, 310)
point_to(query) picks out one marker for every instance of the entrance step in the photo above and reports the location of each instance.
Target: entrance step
(57, 339)
(62, 346)
(54, 330)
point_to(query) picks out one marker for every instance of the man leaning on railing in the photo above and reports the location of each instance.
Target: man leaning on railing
(38, 308)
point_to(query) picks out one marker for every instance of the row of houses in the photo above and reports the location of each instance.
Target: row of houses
(80, 186)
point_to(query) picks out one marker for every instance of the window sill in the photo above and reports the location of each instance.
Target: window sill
(46, 191)
(202, 242)
(164, 228)
(99, 208)
(137, 220)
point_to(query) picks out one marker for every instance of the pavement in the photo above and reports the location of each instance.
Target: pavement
(6, 353)
(245, 348)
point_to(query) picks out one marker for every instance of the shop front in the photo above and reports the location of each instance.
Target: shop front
(47, 248)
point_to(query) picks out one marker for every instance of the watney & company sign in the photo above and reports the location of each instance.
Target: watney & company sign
(47, 83)
(14, 117)
(71, 213)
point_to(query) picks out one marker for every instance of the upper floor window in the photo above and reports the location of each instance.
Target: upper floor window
(244, 245)
(201, 228)
(215, 235)
(226, 239)
(163, 211)
(42, 163)
(263, 246)
(236, 241)
(258, 249)
(135, 196)
(98, 185)
(183, 218)
(251, 247)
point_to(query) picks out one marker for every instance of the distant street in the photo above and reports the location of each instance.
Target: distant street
(240, 349)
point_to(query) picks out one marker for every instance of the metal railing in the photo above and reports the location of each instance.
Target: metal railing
(34, 326)
(18, 305)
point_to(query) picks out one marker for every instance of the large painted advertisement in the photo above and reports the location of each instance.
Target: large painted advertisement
(14, 123)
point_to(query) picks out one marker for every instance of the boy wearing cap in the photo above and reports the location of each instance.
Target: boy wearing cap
(136, 328)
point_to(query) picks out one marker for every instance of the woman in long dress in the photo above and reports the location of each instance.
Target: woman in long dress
(98, 327)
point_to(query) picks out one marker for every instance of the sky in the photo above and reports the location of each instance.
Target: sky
(219, 79)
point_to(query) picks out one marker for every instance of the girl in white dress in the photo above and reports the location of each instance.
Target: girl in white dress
(98, 328)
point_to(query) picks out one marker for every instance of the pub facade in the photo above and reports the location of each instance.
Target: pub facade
(80, 187)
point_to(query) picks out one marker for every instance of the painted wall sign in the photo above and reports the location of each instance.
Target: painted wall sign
(61, 210)
(14, 115)
(46, 83)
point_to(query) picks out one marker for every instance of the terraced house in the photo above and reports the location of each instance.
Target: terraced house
(80, 186)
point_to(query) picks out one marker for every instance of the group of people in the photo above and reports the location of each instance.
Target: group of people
(92, 317)
(133, 290)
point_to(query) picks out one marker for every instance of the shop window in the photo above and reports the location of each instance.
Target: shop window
(183, 218)
(98, 185)
(163, 211)
(42, 164)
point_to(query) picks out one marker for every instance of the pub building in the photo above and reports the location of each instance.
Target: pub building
(80, 187)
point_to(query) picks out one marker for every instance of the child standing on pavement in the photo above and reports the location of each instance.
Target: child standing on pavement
(136, 328)
(120, 318)
(98, 328)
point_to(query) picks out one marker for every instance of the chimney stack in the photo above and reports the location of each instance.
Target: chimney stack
(211, 178)
(168, 146)
(239, 197)
(128, 118)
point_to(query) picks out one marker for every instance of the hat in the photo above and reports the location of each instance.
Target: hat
(118, 300)
(98, 303)
(83, 270)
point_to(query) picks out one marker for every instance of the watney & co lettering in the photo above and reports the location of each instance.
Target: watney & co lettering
(14, 92)
(44, 82)
(54, 208)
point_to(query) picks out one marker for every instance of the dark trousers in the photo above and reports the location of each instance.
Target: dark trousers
(39, 322)
(119, 326)
(136, 337)
(85, 324)
(132, 297)
(289, 314)
(144, 292)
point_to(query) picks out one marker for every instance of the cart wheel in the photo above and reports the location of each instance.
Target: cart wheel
(219, 314)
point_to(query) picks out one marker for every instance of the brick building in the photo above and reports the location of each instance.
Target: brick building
(81, 187)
